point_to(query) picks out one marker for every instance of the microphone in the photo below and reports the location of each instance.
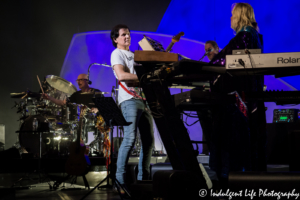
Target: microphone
(207, 52)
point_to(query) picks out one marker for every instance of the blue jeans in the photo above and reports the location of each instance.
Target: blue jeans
(134, 111)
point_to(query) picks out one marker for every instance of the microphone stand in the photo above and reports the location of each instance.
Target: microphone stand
(203, 56)
(95, 64)
(115, 93)
(208, 51)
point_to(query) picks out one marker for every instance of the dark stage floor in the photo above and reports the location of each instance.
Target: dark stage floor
(42, 191)
(40, 188)
(66, 191)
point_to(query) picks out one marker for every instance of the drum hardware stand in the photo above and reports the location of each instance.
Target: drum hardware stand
(39, 171)
(114, 94)
(86, 184)
(62, 180)
(181, 114)
(23, 187)
(112, 116)
(39, 165)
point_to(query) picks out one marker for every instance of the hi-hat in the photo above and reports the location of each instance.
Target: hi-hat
(23, 95)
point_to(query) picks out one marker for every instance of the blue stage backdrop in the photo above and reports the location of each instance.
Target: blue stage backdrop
(201, 21)
(210, 20)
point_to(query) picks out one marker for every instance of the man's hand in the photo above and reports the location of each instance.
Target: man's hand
(94, 110)
(52, 99)
(45, 96)
(132, 83)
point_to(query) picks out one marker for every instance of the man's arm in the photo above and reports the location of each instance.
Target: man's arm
(52, 99)
(124, 76)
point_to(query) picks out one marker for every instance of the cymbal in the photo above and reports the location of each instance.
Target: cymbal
(61, 84)
(94, 93)
(48, 107)
(25, 94)
(52, 117)
(17, 95)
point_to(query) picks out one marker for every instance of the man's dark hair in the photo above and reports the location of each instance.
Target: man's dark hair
(115, 32)
(213, 43)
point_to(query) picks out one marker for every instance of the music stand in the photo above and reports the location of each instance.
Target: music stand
(112, 116)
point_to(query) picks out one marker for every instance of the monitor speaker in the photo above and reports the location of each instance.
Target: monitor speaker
(294, 150)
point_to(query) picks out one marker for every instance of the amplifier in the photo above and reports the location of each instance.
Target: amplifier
(286, 115)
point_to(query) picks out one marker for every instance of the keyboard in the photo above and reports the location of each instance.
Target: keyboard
(278, 64)
(196, 98)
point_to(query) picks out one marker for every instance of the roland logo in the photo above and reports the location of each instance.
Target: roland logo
(287, 60)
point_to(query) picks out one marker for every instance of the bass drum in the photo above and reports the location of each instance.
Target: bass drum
(41, 124)
(48, 140)
(62, 143)
(29, 136)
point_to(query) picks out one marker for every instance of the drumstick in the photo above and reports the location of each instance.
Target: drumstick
(40, 83)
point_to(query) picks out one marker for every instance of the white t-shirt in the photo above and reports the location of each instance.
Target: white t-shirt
(125, 58)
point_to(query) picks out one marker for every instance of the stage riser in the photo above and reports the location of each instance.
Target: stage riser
(8, 179)
(49, 165)
(277, 181)
(282, 145)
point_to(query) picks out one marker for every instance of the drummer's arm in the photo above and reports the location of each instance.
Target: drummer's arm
(52, 99)
(94, 110)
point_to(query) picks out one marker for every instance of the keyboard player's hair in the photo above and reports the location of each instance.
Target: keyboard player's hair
(114, 34)
(242, 15)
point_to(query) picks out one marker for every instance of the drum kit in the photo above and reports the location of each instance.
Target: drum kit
(47, 129)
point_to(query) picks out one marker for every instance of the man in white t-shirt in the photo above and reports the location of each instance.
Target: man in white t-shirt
(131, 100)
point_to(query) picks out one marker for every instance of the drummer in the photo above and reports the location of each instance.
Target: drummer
(82, 81)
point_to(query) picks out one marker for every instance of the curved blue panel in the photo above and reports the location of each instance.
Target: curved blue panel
(96, 47)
